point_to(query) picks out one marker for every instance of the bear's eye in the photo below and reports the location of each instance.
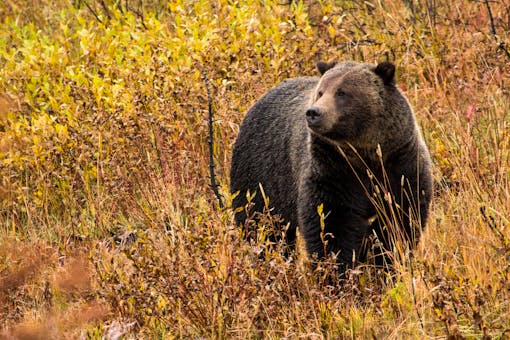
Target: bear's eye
(340, 93)
(319, 94)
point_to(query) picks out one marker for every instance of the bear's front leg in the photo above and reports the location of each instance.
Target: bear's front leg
(343, 229)
(408, 208)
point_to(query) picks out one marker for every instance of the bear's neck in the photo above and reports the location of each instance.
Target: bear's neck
(330, 154)
(361, 158)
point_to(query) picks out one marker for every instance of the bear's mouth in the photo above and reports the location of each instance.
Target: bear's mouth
(335, 134)
(316, 126)
(317, 120)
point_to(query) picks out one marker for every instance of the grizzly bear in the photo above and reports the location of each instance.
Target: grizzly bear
(347, 143)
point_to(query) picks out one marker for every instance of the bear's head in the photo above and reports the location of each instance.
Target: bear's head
(349, 103)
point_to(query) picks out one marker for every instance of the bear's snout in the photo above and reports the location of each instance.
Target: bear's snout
(313, 116)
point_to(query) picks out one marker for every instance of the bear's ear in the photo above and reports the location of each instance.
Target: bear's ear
(323, 66)
(386, 71)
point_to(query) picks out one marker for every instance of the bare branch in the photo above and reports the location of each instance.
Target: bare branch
(501, 44)
(92, 11)
(214, 184)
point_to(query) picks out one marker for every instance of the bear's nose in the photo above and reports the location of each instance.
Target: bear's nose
(312, 115)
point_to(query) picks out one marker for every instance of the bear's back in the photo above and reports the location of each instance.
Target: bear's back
(262, 151)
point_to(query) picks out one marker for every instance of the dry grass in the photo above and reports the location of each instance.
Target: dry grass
(109, 227)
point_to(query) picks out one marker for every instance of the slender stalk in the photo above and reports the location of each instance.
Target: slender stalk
(501, 44)
(214, 184)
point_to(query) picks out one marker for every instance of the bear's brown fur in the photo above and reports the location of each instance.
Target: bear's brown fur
(346, 140)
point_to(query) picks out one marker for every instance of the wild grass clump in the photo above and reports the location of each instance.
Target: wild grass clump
(108, 226)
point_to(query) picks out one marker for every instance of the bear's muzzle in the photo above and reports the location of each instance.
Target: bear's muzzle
(313, 117)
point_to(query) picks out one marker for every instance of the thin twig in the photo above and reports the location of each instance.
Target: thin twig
(138, 13)
(92, 11)
(214, 184)
(490, 17)
(105, 9)
(501, 44)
